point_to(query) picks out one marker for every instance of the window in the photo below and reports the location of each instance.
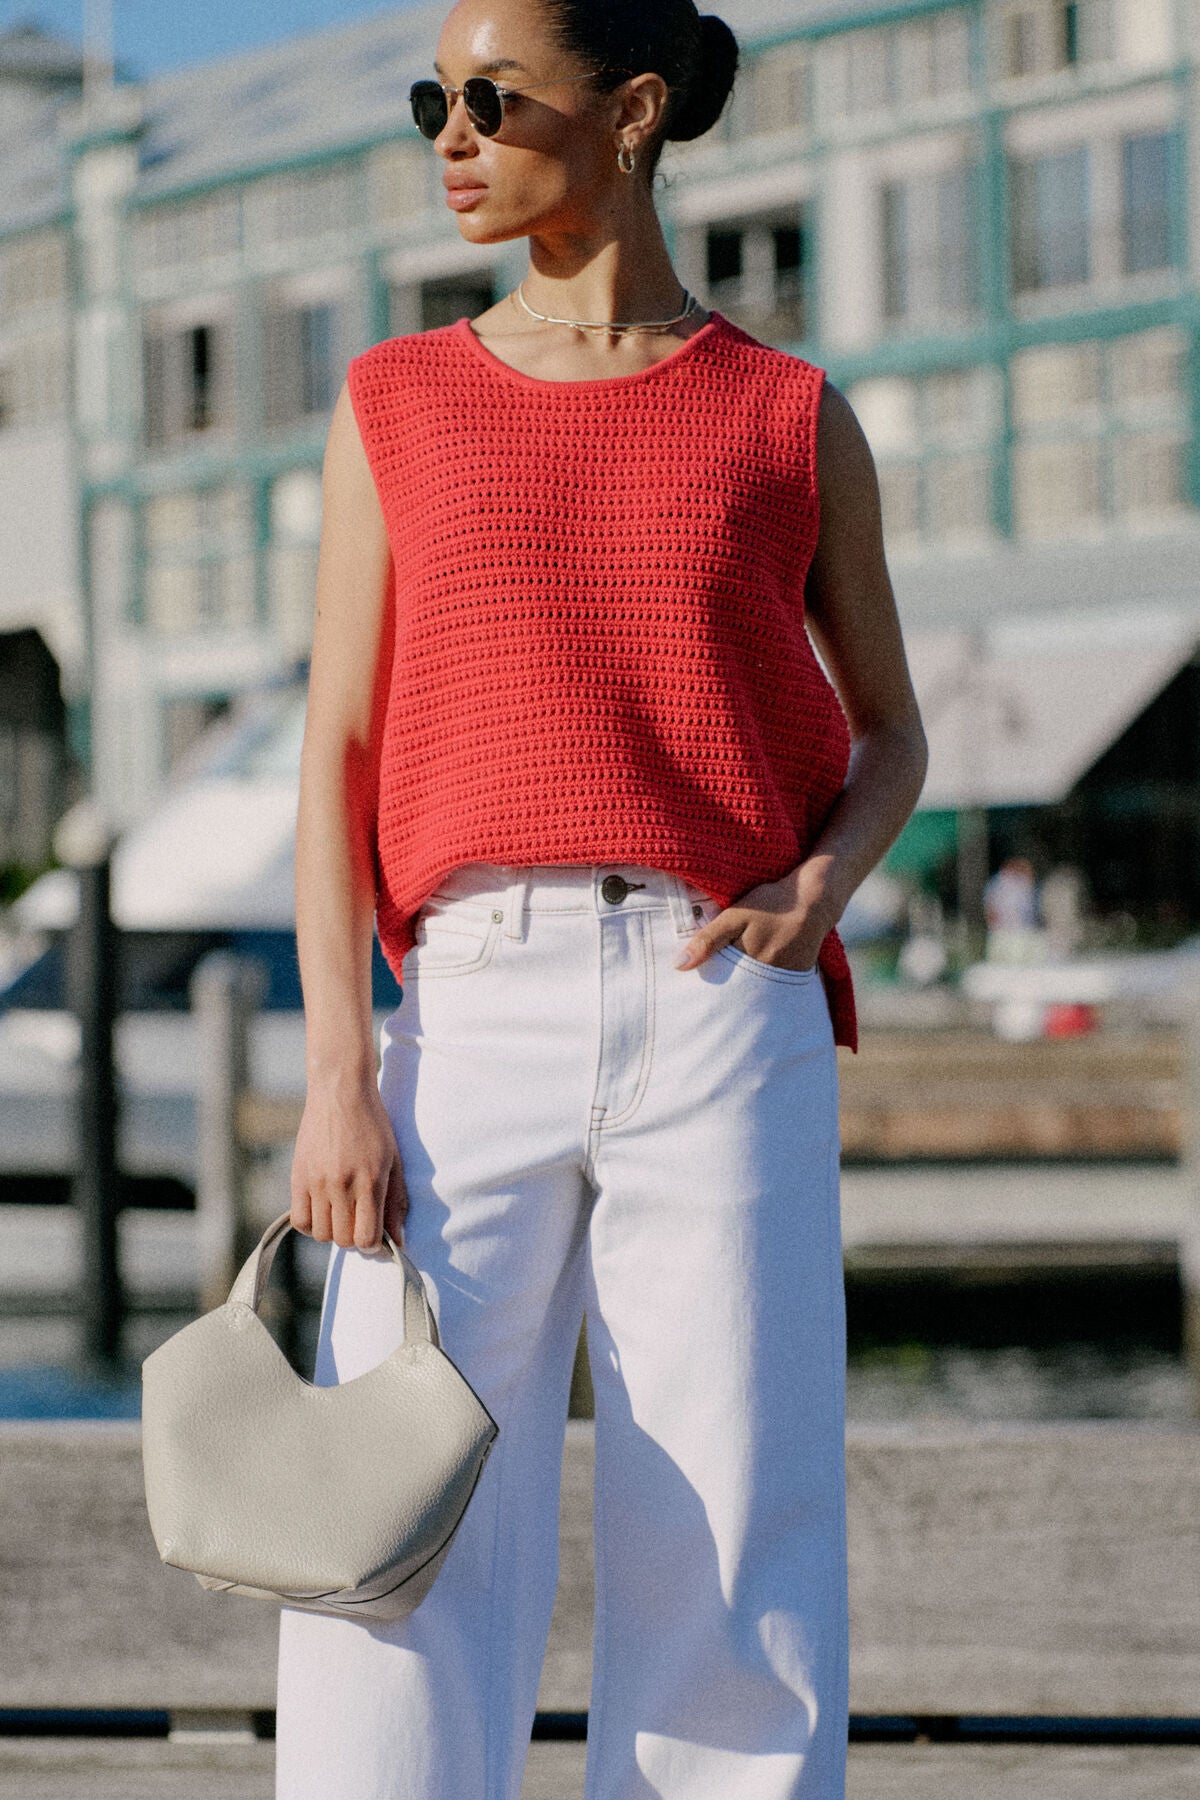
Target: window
(33, 275)
(1022, 50)
(933, 58)
(1055, 383)
(400, 182)
(167, 237)
(318, 345)
(894, 209)
(442, 302)
(35, 379)
(1096, 213)
(185, 380)
(894, 69)
(1051, 219)
(36, 361)
(932, 438)
(723, 258)
(756, 270)
(929, 255)
(779, 88)
(200, 559)
(788, 260)
(286, 209)
(1040, 39)
(1056, 488)
(1034, 38)
(869, 83)
(302, 363)
(1100, 433)
(1146, 202)
(1146, 380)
(426, 305)
(292, 557)
(772, 93)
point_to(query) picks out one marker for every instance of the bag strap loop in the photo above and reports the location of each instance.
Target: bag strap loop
(250, 1285)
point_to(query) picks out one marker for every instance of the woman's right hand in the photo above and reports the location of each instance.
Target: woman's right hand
(347, 1182)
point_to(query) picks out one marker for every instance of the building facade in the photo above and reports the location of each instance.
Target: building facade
(978, 215)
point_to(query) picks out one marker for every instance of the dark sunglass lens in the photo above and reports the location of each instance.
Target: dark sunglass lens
(429, 107)
(483, 103)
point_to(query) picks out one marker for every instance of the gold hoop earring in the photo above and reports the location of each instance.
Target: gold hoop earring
(626, 168)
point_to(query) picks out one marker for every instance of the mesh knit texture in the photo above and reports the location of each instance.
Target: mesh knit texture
(599, 649)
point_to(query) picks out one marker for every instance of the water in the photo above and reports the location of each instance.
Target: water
(945, 1383)
(1098, 1342)
(36, 1391)
(1085, 1346)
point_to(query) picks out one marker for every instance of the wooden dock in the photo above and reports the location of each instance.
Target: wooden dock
(960, 1092)
(1030, 1573)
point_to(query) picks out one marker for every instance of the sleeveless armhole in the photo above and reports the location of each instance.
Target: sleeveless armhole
(814, 414)
(356, 372)
(796, 440)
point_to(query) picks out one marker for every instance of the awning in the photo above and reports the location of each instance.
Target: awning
(1018, 709)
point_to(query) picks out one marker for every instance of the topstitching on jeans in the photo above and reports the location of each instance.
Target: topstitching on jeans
(601, 1118)
(490, 1772)
(754, 965)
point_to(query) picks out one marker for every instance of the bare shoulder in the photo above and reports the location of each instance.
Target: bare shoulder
(851, 528)
(843, 455)
(355, 548)
(347, 470)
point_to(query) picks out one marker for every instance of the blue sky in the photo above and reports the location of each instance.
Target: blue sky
(152, 36)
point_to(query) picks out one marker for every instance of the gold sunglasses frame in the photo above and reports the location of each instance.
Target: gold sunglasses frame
(452, 94)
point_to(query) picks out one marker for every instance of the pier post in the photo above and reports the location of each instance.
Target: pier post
(226, 991)
(1189, 1247)
(84, 842)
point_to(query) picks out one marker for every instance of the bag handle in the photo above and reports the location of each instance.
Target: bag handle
(251, 1282)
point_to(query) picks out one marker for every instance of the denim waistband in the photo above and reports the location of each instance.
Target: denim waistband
(518, 890)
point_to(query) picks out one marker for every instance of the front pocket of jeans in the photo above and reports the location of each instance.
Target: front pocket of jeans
(770, 971)
(454, 942)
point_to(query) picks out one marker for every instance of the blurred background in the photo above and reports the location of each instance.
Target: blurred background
(976, 216)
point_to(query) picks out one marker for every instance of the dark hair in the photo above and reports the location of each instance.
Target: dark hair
(696, 55)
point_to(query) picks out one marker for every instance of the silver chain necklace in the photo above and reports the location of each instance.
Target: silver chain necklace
(690, 306)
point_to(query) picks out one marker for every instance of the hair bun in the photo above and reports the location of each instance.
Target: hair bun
(703, 100)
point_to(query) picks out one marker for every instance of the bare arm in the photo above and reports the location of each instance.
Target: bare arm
(346, 1166)
(852, 619)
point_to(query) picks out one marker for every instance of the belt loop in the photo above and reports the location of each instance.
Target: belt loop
(681, 907)
(516, 903)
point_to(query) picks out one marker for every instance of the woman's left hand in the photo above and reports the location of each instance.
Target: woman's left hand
(767, 923)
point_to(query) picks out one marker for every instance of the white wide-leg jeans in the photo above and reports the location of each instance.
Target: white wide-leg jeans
(584, 1127)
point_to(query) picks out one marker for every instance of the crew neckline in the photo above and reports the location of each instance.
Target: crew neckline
(463, 329)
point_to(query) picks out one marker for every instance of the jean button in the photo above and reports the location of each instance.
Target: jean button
(614, 888)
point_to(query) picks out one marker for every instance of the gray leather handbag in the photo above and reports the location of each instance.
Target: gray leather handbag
(339, 1499)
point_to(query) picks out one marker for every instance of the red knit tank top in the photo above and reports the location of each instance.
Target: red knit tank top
(600, 652)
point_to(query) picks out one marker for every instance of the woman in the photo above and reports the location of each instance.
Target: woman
(579, 560)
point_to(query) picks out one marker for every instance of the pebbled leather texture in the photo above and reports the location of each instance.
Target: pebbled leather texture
(337, 1499)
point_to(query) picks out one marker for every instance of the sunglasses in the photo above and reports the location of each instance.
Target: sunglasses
(484, 101)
